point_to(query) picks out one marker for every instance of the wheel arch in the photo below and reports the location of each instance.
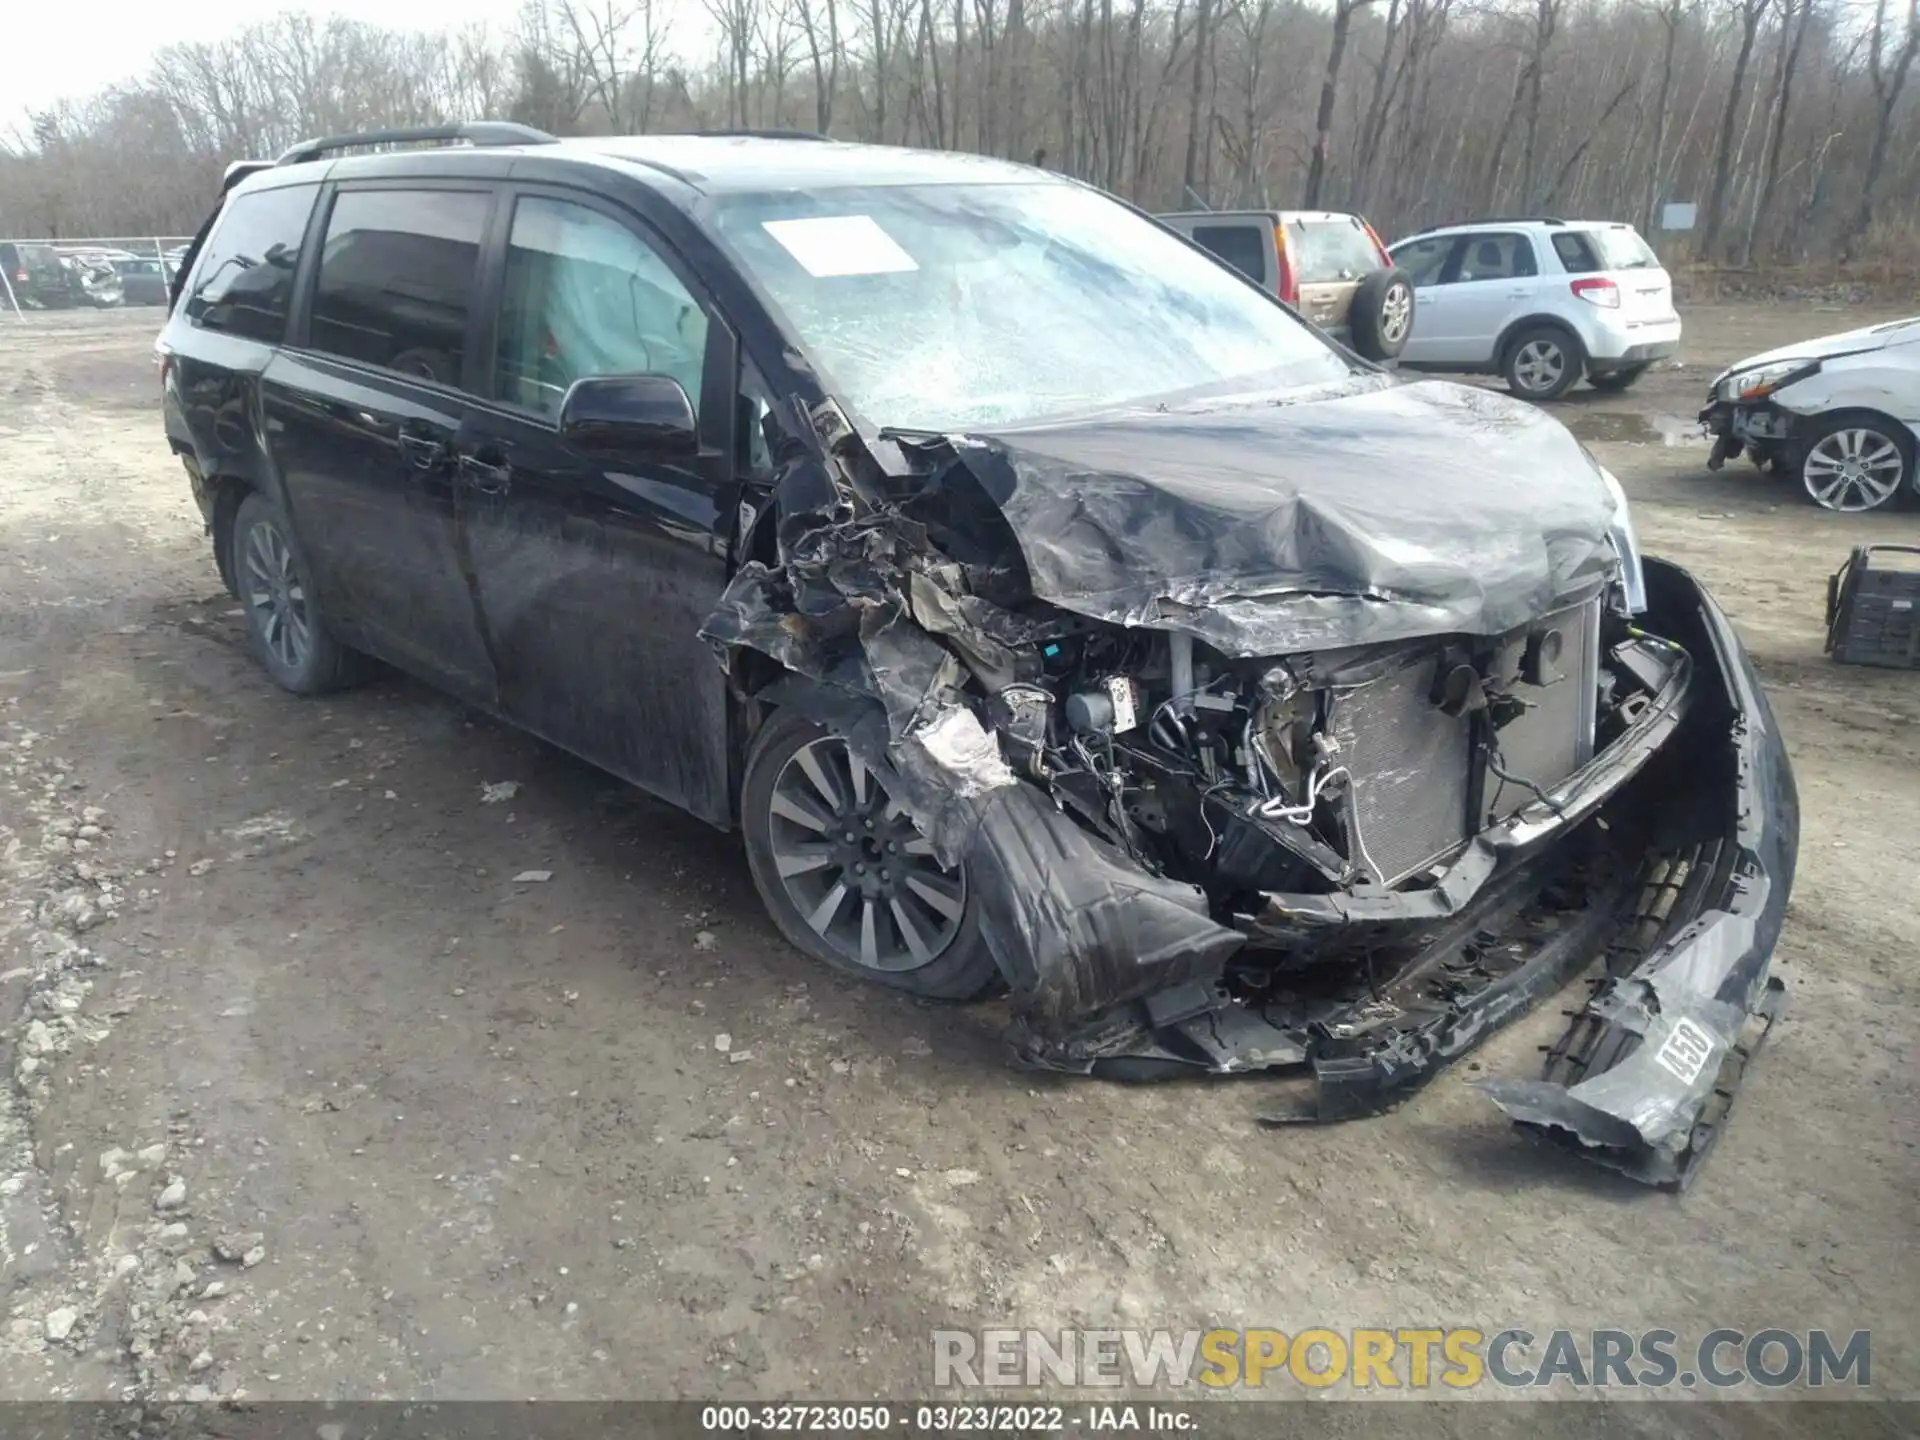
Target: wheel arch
(1503, 347)
(227, 492)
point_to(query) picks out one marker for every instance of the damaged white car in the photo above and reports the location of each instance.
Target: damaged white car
(1841, 414)
(1089, 626)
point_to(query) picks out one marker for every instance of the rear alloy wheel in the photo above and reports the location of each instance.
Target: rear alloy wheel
(1854, 463)
(1542, 364)
(289, 634)
(846, 875)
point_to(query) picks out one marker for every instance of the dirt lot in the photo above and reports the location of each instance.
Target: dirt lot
(464, 1137)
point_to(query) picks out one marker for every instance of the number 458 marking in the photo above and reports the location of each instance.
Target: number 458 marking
(1686, 1052)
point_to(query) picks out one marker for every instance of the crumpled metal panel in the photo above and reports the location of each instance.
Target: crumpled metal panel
(1378, 511)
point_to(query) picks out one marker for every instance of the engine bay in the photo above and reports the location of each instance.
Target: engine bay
(1362, 769)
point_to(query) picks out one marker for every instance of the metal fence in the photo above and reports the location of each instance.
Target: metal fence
(143, 247)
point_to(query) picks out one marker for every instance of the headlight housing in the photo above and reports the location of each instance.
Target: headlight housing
(1626, 544)
(1763, 380)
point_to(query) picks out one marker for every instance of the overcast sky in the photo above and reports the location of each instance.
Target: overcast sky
(51, 50)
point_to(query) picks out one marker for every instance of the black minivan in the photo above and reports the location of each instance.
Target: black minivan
(1050, 610)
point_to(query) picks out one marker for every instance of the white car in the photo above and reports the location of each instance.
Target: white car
(1841, 412)
(1539, 302)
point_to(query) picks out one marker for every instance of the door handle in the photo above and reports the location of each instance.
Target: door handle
(485, 474)
(423, 452)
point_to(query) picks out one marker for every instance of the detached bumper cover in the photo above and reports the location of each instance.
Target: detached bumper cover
(1645, 1075)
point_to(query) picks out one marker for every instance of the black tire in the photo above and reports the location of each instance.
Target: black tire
(960, 967)
(1822, 453)
(1616, 380)
(1382, 315)
(274, 593)
(1529, 372)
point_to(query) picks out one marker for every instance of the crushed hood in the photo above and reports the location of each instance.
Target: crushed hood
(1380, 511)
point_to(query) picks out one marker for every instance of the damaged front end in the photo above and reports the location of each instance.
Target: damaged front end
(1327, 782)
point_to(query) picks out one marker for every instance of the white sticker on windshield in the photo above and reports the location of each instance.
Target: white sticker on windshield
(830, 245)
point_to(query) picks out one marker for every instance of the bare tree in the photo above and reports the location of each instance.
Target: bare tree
(1793, 34)
(1343, 13)
(1809, 146)
(1888, 67)
(1750, 13)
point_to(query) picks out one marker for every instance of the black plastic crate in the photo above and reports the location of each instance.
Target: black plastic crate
(1873, 608)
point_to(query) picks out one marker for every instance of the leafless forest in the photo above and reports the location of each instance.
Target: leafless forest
(1794, 124)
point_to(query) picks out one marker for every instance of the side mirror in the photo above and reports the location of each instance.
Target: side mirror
(621, 417)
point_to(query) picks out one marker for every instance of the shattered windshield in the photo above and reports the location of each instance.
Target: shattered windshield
(952, 307)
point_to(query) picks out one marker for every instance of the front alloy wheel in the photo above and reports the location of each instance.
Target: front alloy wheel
(1852, 467)
(864, 879)
(845, 873)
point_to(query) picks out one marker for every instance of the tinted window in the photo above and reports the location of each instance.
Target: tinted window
(1576, 253)
(1423, 260)
(1245, 247)
(244, 279)
(584, 295)
(1325, 251)
(1497, 257)
(396, 272)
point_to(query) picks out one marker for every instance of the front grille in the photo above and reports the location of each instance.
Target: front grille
(1554, 737)
(1411, 765)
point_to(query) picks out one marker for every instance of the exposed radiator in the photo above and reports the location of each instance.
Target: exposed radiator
(1555, 737)
(1410, 764)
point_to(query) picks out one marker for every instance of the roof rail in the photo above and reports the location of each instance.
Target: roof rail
(474, 132)
(1485, 220)
(240, 170)
(758, 135)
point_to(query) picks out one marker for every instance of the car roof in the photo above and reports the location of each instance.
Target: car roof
(714, 164)
(1493, 222)
(701, 164)
(1289, 216)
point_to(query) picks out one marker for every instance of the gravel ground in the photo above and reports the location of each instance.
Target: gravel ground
(305, 1096)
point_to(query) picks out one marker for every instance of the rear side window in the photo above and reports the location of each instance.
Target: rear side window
(1497, 257)
(1576, 252)
(1244, 247)
(243, 282)
(1327, 251)
(397, 270)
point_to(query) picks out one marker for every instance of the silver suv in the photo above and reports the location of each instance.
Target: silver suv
(1539, 302)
